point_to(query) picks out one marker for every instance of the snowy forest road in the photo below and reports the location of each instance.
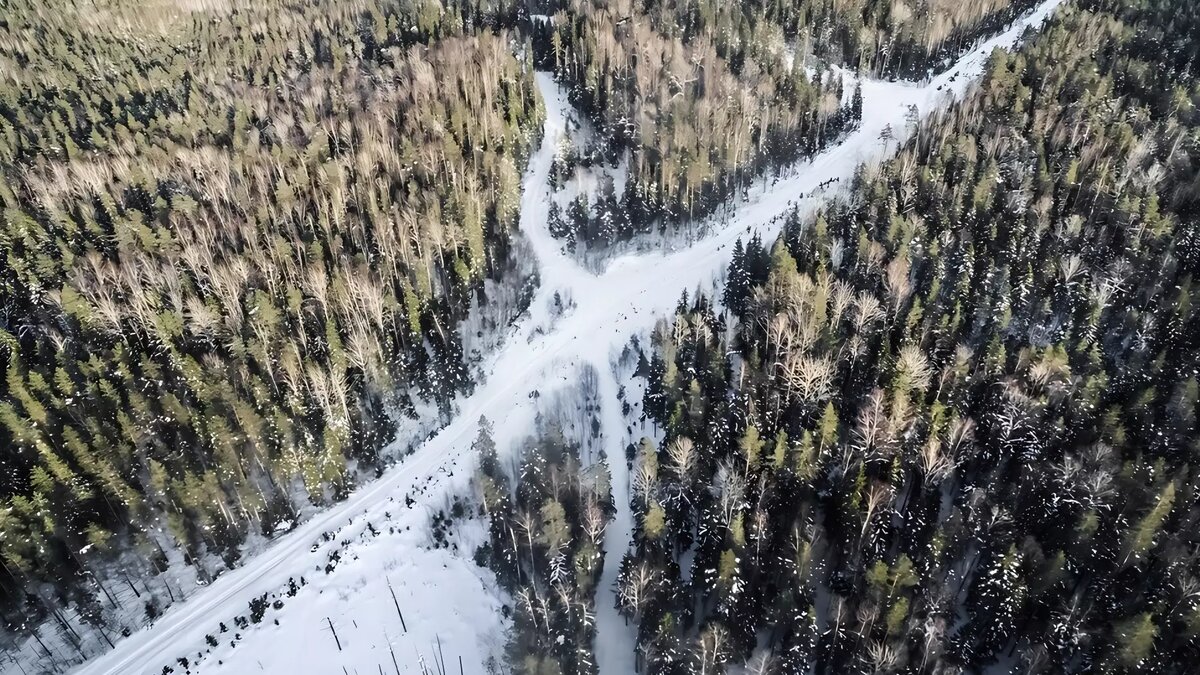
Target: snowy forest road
(623, 300)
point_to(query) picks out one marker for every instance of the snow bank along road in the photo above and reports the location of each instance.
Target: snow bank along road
(623, 300)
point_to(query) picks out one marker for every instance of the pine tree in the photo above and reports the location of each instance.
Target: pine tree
(737, 281)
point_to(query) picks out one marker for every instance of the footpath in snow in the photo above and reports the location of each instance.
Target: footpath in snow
(347, 620)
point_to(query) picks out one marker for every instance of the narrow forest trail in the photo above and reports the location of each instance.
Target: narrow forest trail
(615, 639)
(623, 300)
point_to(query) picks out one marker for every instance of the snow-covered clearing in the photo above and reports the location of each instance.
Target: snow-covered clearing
(441, 593)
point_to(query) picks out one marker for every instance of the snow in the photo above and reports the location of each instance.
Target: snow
(449, 600)
(614, 637)
(443, 600)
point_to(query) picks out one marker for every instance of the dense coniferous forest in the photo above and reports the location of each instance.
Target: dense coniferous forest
(707, 95)
(881, 37)
(697, 126)
(239, 237)
(237, 242)
(949, 425)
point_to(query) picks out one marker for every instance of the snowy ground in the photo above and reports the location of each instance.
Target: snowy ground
(615, 637)
(450, 608)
